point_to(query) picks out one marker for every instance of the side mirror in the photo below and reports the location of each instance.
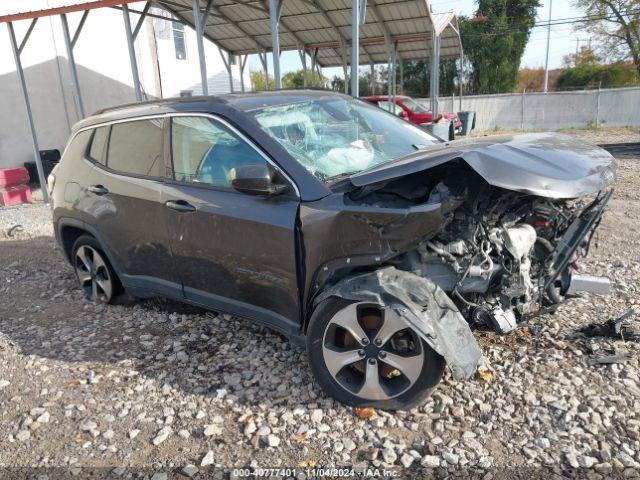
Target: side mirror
(404, 114)
(255, 180)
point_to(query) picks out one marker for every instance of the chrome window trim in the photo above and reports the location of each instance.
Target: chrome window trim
(212, 116)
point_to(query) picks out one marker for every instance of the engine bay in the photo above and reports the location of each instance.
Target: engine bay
(502, 256)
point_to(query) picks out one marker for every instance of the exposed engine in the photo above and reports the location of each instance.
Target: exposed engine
(503, 255)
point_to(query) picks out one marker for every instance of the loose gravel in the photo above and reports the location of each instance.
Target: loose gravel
(156, 389)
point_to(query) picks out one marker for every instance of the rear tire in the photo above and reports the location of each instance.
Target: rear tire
(407, 368)
(94, 272)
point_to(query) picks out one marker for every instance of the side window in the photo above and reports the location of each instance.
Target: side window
(205, 151)
(78, 146)
(98, 150)
(136, 148)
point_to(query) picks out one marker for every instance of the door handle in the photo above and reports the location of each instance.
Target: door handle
(98, 189)
(180, 206)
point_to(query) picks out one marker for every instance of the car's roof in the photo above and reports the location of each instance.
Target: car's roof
(237, 101)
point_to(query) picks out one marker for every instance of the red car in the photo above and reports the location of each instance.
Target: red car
(415, 112)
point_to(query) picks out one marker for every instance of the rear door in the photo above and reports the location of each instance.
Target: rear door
(125, 190)
(234, 252)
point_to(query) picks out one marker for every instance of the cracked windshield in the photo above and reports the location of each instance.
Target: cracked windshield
(333, 137)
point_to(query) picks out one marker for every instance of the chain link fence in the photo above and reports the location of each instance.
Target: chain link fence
(616, 107)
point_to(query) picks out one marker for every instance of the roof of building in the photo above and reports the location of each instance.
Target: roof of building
(243, 27)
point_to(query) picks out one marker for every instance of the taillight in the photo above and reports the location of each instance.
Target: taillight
(51, 182)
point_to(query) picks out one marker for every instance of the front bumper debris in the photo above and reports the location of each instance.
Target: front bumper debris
(424, 306)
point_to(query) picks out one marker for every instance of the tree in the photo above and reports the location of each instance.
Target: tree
(495, 40)
(532, 79)
(585, 70)
(259, 81)
(616, 26)
(289, 80)
(296, 79)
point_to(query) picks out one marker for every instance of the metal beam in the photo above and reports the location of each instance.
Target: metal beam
(303, 60)
(75, 84)
(79, 27)
(143, 15)
(132, 52)
(27, 104)
(435, 74)
(275, 7)
(227, 65)
(27, 35)
(355, 46)
(199, 39)
(243, 63)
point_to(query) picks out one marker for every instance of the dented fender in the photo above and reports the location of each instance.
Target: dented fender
(425, 307)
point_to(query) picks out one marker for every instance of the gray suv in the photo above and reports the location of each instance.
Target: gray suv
(332, 221)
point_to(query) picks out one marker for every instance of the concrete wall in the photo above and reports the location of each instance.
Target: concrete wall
(104, 75)
(550, 111)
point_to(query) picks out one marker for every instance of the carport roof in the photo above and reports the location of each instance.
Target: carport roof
(242, 26)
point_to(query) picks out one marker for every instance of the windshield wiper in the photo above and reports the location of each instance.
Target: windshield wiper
(340, 176)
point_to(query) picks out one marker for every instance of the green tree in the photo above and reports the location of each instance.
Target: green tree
(259, 82)
(615, 24)
(296, 79)
(584, 70)
(494, 42)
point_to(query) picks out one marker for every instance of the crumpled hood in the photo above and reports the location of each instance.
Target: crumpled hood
(543, 164)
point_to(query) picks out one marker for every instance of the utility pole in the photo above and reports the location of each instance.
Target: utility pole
(546, 63)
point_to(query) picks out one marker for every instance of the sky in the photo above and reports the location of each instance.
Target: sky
(563, 37)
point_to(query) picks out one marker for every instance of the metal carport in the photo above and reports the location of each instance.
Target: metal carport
(325, 30)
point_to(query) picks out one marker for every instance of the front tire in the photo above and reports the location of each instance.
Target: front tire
(363, 354)
(97, 278)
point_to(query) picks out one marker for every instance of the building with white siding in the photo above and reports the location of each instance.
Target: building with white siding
(168, 66)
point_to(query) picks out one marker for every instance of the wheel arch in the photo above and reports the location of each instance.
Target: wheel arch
(70, 229)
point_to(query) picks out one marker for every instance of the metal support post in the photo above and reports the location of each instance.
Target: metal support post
(373, 79)
(198, 23)
(524, 90)
(394, 60)
(69, 44)
(358, 9)
(343, 52)
(243, 64)
(401, 77)
(314, 66)
(303, 59)
(17, 50)
(265, 66)
(435, 75)
(132, 52)
(546, 63)
(598, 105)
(460, 77)
(275, 8)
(228, 64)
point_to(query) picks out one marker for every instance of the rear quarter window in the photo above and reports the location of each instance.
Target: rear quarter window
(98, 149)
(78, 146)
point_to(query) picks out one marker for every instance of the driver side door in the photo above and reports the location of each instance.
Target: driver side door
(234, 252)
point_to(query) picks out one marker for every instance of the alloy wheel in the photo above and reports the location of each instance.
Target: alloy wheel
(371, 352)
(93, 274)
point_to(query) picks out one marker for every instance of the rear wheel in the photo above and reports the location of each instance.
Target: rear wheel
(365, 354)
(93, 270)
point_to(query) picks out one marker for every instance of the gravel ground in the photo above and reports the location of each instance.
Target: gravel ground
(153, 388)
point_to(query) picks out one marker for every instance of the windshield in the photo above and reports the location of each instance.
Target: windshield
(397, 109)
(414, 106)
(334, 136)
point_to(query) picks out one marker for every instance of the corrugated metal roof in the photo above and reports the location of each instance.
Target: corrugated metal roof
(242, 27)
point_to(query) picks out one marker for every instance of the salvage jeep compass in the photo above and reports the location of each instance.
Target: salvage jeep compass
(333, 222)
